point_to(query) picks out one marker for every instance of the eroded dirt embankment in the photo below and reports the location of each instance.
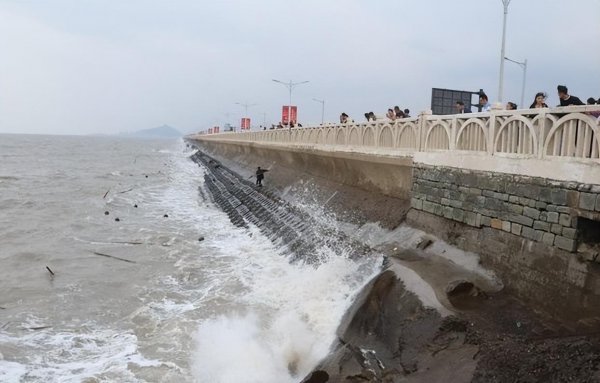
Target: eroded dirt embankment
(432, 315)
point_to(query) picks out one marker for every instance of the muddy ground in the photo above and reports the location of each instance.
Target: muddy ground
(388, 336)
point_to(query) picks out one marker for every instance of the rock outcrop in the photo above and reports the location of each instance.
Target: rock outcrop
(389, 336)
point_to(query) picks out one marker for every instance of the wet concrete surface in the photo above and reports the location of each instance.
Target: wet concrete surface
(479, 333)
(295, 231)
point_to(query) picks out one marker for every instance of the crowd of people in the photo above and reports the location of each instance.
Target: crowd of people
(282, 125)
(539, 101)
(392, 114)
(484, 105)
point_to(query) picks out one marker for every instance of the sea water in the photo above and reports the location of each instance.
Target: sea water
(143, 298)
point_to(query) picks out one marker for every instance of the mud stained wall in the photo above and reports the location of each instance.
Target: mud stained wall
(390, 176)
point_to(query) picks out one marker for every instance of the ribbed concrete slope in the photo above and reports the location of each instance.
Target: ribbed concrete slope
(289, 228)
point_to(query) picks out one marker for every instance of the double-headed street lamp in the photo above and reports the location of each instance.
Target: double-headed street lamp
(245, 106)
(524, 66)
(322, 102)
(502, 54)
(290, 85)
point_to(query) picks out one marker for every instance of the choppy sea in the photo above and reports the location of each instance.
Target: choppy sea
(141, 298)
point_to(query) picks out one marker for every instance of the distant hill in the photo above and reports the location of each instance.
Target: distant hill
(164, 131)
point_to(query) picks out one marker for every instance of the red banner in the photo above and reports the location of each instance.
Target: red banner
(284, 114)
(245, 123)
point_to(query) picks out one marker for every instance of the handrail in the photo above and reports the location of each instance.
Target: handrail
(548, 133)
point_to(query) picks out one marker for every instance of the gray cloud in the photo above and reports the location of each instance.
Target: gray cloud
(74, 67)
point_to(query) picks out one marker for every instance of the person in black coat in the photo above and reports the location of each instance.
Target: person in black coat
(260, 175)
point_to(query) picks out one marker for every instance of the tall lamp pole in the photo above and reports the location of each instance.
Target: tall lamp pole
(502, 54)
(245, 106)
(290, 85)
(322, 102)
(524, 66)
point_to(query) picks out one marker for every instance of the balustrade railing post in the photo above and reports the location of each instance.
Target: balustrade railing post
(453, 133)
(422, 130)
(541, 134)
(491, 134)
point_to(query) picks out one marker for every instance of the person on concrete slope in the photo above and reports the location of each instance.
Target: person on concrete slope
(260, 175)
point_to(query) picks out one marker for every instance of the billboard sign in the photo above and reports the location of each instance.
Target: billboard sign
(245, 125)
(284, 114)
(443, 101)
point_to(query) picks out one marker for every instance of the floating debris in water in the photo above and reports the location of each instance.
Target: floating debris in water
(113, 257)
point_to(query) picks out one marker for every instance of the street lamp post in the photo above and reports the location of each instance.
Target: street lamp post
(290, 85)
(524, 66)
(502, 54)
(246, 106)
(322, 102)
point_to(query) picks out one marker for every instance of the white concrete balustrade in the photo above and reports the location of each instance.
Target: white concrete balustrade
(520, 142)
(534, 133)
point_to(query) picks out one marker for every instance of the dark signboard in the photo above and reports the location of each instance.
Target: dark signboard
(443, 101)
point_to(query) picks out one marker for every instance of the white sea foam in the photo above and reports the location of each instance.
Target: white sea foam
(73, 356)
(286, 320)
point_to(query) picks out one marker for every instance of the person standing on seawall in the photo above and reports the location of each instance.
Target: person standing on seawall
(260, 175)
(539, 101)
(565, 98)
(461, 108)
(484, 103)
(592, 101)
(399, 113)
(390, 114)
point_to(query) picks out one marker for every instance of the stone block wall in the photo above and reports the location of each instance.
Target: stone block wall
(537, 209)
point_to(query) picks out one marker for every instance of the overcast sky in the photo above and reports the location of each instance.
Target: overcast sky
(100, 66)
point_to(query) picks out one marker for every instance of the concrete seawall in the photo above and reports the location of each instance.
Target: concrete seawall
(365, 188)
(539, 235)
(391, 176)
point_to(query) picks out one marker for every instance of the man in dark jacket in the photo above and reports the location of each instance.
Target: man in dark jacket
(565, 98)
(260, 175)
